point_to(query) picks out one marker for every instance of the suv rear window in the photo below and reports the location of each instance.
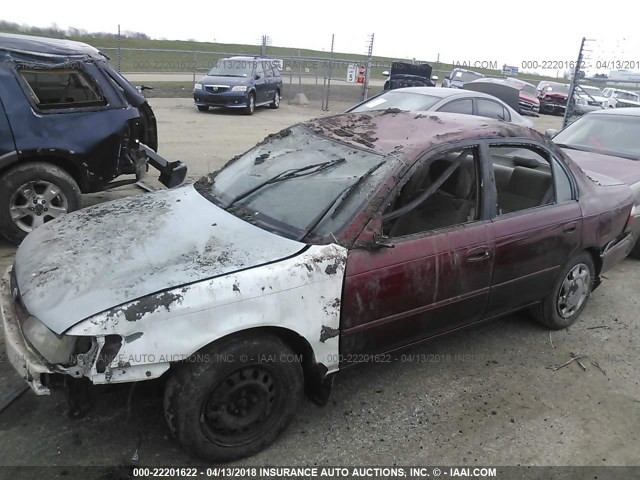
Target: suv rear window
(62, 88)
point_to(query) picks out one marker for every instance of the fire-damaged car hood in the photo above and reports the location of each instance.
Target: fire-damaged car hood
(101, 257)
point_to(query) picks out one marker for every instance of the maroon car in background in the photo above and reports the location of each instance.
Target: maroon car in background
(528, 97)
(553, 97)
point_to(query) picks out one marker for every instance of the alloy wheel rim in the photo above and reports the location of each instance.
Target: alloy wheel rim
(36, 203)
(574, 290)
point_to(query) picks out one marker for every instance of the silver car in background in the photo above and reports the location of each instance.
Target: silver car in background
(588, 99)
(439, 99)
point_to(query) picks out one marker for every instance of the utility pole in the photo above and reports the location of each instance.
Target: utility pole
(568, 111)
(365, 90)
(265, 40)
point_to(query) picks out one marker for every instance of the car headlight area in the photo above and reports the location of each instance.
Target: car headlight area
(57, 350)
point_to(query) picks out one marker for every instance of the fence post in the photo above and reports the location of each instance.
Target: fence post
(325, 106)
(299, 73)
(195, 66)
(119, 55)
(365, 92)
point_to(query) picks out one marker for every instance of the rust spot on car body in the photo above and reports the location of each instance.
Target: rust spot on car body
(138, 309)
(328, 332)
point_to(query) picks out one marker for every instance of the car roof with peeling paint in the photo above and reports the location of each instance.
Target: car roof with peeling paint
(393, 131)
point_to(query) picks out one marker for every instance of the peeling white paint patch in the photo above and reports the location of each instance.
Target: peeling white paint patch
(301, 294)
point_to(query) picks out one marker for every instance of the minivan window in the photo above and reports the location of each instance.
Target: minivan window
(229, 67)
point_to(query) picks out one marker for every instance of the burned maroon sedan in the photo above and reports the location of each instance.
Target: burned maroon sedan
(329, 242)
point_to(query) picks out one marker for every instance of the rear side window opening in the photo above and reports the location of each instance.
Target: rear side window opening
(60, 88)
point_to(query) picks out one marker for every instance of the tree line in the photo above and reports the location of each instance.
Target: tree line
(55, 31)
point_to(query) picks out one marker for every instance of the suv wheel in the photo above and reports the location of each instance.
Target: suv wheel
(237, 405)
(251, 104)
(33, 194)
(276, 100)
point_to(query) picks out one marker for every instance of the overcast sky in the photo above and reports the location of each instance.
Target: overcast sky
(463, 31)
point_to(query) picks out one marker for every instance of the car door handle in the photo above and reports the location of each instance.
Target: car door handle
(477, 254)
(569, 228)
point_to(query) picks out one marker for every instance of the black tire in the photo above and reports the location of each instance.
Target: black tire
(36, 175)
(203, 108)
(557, 311)
(255, 389)
(276, 101)
(251, 104)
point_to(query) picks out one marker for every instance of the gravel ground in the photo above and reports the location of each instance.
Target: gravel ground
(484, 396)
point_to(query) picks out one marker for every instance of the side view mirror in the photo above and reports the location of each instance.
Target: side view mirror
(448, 77)
(386, 73)
(550, 133)
(434, 78)
(382, 241)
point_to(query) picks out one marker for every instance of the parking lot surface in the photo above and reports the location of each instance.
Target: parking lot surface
(489, 395)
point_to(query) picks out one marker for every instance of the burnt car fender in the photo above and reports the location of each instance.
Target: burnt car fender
(301, 294)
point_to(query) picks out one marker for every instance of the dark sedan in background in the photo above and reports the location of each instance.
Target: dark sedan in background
(405, 74)
(438, 99)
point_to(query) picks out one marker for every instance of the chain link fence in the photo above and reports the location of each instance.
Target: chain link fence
(325, 81)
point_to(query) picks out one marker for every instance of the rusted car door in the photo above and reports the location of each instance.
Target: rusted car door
(537, 224)
(435, 278)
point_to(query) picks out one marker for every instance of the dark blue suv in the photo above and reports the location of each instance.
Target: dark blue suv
(240, 82)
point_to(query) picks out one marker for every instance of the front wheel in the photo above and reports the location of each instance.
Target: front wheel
(562, 307)
(33, 194)
(237, 400)
(251, 104)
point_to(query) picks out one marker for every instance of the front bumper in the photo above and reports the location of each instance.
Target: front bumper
(582, 109)
(550, 107)
(25, 361)
(202, 98)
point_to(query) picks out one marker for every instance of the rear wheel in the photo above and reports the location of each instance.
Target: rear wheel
(251, 104)
(276, 100)
(236, 403)
(203, 108)
(33, 194)
(570, 294)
